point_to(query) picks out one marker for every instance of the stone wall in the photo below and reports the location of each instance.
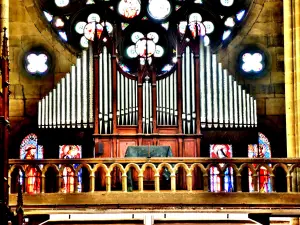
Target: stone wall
(27, 30)
(264, 27)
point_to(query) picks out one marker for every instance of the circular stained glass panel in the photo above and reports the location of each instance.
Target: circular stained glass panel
(159, 9)
(89, 31)
(227, 3)
(145, 48)
(129, 8)
(62, 3)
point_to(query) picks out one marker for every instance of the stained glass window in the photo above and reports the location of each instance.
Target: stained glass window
(48, 16)
(129, 8)
(63, 35)
(159, 9)
(145, 47)
(240, 15)
(262, 150)
(226, 35)
(252, 62)
(221, 151)
(68, 181)
(195, 25)
(62, 3)
(58, 22)
(29, 149)
(87, 29)
(227, 3)
(229, 22)
(36, 63)
(217, 16)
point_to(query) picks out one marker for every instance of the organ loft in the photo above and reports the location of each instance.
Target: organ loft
(149, 112)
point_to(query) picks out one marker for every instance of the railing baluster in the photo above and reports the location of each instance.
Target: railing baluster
(189, 182)
(173, 182)
(238, 182)
(124, 182)
(156, 182)
(92, 182)
(108, 182)
(141, 182)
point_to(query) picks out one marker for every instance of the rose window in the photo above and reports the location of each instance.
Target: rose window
(145, 47)
(87, 29)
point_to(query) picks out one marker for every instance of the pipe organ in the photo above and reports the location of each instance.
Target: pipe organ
(127, 110)
(145, 109)
(166, 96)
(70, 103)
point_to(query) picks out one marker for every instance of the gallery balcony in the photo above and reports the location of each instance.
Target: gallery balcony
(239, 184)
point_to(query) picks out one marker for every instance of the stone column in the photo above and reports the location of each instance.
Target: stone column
(291, 11)
(289, 78)
(4, 114)
(4, 17)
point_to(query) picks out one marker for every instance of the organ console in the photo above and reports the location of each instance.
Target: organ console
(197, 94)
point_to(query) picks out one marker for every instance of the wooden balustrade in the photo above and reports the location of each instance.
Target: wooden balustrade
(189, 174)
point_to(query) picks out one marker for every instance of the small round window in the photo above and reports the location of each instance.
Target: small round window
(253, 62)
(37, 62)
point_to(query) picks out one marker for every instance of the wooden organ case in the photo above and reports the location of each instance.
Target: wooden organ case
(172, 110)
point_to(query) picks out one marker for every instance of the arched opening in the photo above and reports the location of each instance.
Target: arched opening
(29, 149)
(246, 177)
(116, 179)
(148, 176)
(85, 180)
(280, 180)
(33, 182)
(181, 179)
(262, 150)
(17, 178)
(198, 179)
(68, 180)
(100, 179)
(220, 151)
(51, 180)
(132, 179)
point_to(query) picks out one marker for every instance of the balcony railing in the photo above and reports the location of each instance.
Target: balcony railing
(152, 174)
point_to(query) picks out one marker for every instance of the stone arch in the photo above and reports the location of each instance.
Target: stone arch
(167, 165)
(45, 169)
(100, 165)
(132, 165)
(184, 166)
(199, 165)
(118, 165)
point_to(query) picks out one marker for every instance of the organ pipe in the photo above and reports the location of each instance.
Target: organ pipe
(54, 108)
(215, 90)
(90, 78)
(236, 110)
(202, 86)
(84, 89)
(208, 87)
(231, 106)
(223, 102)
(226, 100)
(73, 94)
(221, 105)
(78, 93)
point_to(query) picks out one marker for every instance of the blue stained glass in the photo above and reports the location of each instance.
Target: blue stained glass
(263, 150)
(221, 151)
(68, 181)
(240, 15)
(226, 34)
(29, 149)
